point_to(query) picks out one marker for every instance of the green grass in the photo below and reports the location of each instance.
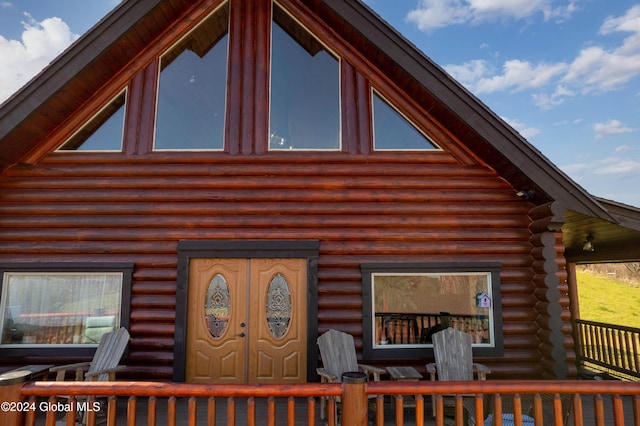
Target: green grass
(607, 300)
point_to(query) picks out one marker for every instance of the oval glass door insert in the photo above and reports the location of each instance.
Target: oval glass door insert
(217, 306)
(278, 306)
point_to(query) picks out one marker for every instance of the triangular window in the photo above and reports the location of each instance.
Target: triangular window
(192, 89)
(392, 131)
(103, 132)
(305, 89)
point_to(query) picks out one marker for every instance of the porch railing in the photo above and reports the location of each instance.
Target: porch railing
(610, 348)
(552, 402)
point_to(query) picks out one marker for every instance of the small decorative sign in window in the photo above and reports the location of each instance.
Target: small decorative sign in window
(483, 300)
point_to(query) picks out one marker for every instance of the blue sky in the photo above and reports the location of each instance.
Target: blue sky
(564, 73)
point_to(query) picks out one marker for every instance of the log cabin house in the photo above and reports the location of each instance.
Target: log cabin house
(228, 179)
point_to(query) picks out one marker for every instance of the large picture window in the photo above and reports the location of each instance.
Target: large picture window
(62, 307)
(192, 89)
(405, 304)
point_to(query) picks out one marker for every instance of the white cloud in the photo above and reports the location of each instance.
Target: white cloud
(593, 68)
(5, 4)
(610, 128)
(617, 166)
(526, 131)
(546, 102)
(607, 166)
(599, 68)
(517, 75)
(434, 14)
(469, 72)
(626, 148)
(40, 43)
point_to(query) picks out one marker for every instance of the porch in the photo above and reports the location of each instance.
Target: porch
(136, 403)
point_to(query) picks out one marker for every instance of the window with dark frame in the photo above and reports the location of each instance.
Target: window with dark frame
(405, 304)
(61, 308)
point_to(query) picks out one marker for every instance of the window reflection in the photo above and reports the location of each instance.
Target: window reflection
(305, 90)
(59, 308)
(103, 132)
(405, 315)
(191, 94)
(393, 132)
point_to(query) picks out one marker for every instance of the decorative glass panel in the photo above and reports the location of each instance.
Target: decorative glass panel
(305, 90)
(192, 90)
(217, 307)
(392, 131)
(103, 132)
(278, 306)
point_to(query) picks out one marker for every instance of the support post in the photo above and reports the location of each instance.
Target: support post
(12, 411)
(354, 399)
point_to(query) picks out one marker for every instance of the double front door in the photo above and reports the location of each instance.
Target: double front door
(246, 321)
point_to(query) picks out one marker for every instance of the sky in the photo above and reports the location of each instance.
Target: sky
(564, 73)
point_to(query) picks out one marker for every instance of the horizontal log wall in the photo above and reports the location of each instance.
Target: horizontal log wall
(108, 208)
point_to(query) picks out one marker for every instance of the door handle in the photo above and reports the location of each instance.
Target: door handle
(241, 335)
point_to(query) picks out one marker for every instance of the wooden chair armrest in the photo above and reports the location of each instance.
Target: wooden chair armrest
(326, 376)
(68, 366)
(370, 369)
(93, 376)
(482, 371)
(61, 370)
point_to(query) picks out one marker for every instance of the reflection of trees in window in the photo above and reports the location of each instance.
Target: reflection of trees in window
(409, 307)
(53, 308)
(192, 89)
(305, 92)
(455, 293)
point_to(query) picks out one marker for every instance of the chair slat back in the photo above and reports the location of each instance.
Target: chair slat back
(454, 357)
(109, 351)
(338, 352)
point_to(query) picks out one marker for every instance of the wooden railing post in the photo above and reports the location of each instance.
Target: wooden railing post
(12, 405)
(354, 399)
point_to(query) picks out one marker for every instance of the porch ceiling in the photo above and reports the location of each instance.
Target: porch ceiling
(612, 242)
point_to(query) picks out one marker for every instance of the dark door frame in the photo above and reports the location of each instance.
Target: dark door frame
(245, 249)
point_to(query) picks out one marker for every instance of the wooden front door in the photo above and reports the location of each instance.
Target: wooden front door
(246, 321)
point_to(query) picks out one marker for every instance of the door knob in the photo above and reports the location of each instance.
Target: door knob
(241, 334)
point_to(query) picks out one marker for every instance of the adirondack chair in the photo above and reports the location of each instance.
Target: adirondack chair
(103, 366)
(338, 353)
(454, 361)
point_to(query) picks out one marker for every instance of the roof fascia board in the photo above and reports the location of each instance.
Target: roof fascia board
(625, 215)
(468, 108)
(64, 68)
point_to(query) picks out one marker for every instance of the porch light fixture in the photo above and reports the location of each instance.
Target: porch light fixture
(526, 195)
(588, 246)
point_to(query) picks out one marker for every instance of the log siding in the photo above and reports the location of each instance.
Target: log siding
(362, 206)
(78, 208)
